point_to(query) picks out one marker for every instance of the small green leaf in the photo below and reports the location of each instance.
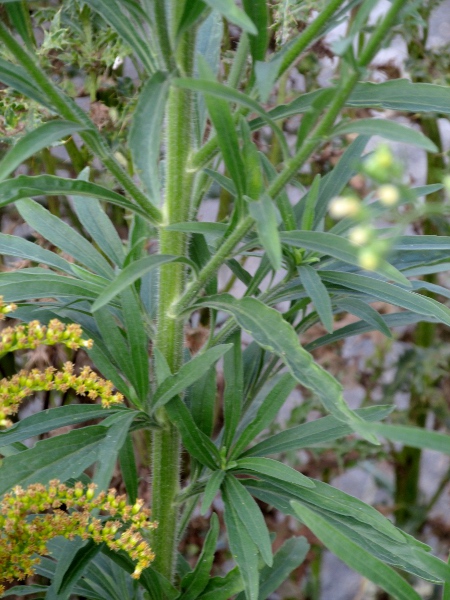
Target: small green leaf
(310, 201)
(223, 588)
(387, 129)
(354, 556)
(240, 501)
(211, 489)
(319, 295)
(195, 582)
(411, 436)
(233, 14)
(202, 400)
(189, 373)
(366, 313)
(273, 469)
(128, 469)
(42, 137)
(234, 389)
(265, 215)
(145, 132)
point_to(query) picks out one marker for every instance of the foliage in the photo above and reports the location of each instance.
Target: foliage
(195, 125)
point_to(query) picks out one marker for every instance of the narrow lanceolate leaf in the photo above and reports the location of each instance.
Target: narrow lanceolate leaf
(145, 133)
(318, 432)
(274, 469)
(389, 130)
(211, 489)
(60, 457)
(290, 556)
(329, 244)
(24, 186)
(129, 275)
(17, 78)
(266, 413)
(319, 295)
(11, 245)
(222, 119)
(233, 14)
(390, 293)
(98, 225)
(188, 374)
(195, 582)
(265, 215)
(258, 11)
(63, 236)
(243, 549)
(411, 436)
(54, 418)
(128, 468)
(354, 556)
(250, 515)
(273, 333)
(234, 389)
(202, 400)
(366, 313)
(42, 137)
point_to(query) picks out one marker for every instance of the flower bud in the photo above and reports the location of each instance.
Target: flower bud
(388, 194)
(344, 206)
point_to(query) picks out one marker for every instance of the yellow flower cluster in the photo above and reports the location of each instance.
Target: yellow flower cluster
(24, 533)
(24, 383)
(30, 336)
(6, 308)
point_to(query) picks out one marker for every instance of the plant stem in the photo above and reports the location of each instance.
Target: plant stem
(169, 335)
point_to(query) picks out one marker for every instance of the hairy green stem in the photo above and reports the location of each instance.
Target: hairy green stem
(169, 336)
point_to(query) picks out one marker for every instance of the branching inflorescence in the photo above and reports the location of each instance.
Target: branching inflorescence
(68, 513)
(28, 337)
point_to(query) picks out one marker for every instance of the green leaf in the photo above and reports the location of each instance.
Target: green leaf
(243, 549)
(204, 228)
(43, 136)
(145, 132)
(319, 295)
(320, 431)
(24, 186)
(54, 418)
(63, 236)
(98, 225)
(234, 389)
(339, 248)
(273, 333)
(366, 313)
(354, 556)
(274, 469)
(16, 77)
(127, 28)
(129, 275)
(11, 245)
(265, 215)
(73, 569)
(223, 588)
(258, 12)
(62, 457)
(212, 487)
(240, 501)
(387, 129)
(193, 10)
(188, 374)
(307, 222)
(195, 582)
(412, 436)
(128, 469)
(232, 13)
(387, 292)
(202, 400)
(290, 556)
(266, 413)
(18, 14)
(20, 591)
(195, 441)
(228, 141)
(118, 426)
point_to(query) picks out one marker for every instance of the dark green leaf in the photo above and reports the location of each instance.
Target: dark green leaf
(63, 236)
(62, 457)
(234, 389)
(189, 373)
(354, 556)
(195, 582)
(145, 132)
(17, 78)
(265, 215)
(20, 591)
(273, 469)
(258, 12)
(232, 13)
(387, 129)
(24, 186)
(202, 400)
(128, 469)
(223, 588)
(211, 489)
(366, 313)
(76, 567)
(43, 136)
(319, 295)
(412, 436)
(11, 245)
